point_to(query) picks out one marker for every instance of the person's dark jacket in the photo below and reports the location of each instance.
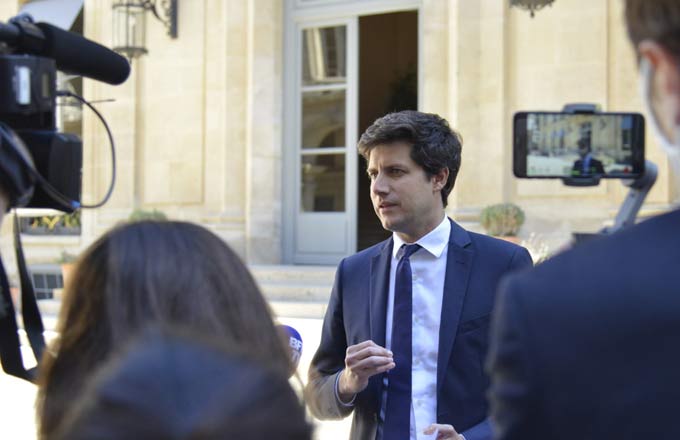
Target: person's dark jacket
(587, 345)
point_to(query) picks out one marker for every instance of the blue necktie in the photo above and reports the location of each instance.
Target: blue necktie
(398, 408)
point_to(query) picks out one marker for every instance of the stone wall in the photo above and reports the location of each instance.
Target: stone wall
(197, 125)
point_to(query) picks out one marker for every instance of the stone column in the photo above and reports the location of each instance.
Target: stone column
(119, 106)
(264, 131)
(478, 104)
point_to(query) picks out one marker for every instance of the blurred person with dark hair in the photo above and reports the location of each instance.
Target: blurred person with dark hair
(406, 327)
(143, 275)
(170, 385)
(585, 346)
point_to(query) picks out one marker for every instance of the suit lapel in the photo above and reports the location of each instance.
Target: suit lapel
(380, 283)
(458, 267)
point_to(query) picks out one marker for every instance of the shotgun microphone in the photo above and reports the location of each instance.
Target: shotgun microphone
(80, 56)
(71, 52)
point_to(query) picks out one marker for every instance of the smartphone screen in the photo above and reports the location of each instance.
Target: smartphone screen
(578, 145)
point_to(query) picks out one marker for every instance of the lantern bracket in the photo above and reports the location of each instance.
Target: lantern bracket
(167, 16)
(531, 5)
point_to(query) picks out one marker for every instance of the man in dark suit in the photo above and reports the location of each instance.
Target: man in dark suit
(406, 328)
(585, 346)
(586, 165)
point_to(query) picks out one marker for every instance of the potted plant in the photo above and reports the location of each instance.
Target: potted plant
(62, 224)
(502, 220)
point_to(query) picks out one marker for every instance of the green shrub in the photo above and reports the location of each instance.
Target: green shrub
(502, 220)
(141, 214)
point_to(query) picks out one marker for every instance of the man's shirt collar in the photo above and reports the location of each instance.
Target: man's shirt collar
(434, 241)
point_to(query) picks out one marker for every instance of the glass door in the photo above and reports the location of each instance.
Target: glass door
(325, 142)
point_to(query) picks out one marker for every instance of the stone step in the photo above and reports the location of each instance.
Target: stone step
(284, 283)
(49, 310)
(49, 324)
(275, 294)
(288, 273)
(49, 307)
(291, 291)
(274, 290)
(292, 309)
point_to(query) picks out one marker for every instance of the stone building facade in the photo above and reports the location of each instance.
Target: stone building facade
(247, 122)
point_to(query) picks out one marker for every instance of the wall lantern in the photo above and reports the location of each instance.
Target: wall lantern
(531, 5)
(129, 24)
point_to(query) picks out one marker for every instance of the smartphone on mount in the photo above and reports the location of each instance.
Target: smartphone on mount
(578, 145)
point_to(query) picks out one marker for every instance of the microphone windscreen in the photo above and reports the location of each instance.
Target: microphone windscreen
(77, 55)
(294, 343)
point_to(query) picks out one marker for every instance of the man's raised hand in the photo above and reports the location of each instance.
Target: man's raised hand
(444, 432)
(362, 361)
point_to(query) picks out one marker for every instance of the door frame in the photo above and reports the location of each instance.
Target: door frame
(300, 14)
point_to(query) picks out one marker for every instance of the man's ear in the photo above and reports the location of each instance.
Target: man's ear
(666, 67)
(439, 179)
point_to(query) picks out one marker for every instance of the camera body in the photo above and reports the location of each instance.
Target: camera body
(40, 167)
(28, 108)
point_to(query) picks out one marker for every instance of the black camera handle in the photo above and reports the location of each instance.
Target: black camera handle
(10, 346)
(639, 187)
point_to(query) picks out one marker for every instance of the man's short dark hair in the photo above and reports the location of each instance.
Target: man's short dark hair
(435, 145)
(657, 20)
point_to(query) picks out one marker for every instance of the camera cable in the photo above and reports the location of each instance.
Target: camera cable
(66, 93)
(67, 203)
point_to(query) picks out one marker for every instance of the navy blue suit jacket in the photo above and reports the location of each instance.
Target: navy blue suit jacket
(587, 345)
(356, 313)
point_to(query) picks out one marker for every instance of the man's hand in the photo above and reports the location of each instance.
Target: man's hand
(444, 432)
(362, 361)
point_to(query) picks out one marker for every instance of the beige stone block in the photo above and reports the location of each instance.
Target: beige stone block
(435, 56)
(186, 185)
(263, 136)
(156, 184)
(8, 9)
(554, 187)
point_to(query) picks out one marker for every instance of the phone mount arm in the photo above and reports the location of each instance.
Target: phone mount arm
(575, 109)
(639, 188)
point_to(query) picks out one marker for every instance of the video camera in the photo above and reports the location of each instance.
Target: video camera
(40, 167)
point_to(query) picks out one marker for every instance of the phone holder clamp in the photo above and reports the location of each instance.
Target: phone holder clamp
(583, 108)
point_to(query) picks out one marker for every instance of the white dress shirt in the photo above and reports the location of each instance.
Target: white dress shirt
(428, 268)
